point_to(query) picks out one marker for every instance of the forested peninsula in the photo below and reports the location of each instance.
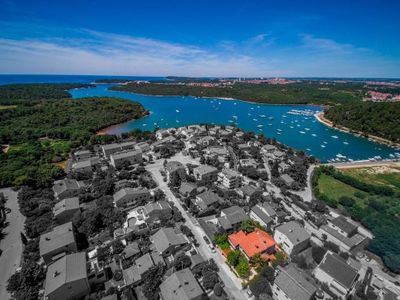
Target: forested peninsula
(40, 123)
(370, 118)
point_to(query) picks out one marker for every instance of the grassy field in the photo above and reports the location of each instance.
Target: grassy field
(7, 106)
(335, 189)
(377, 175)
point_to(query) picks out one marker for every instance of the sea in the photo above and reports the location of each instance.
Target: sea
(299, 131)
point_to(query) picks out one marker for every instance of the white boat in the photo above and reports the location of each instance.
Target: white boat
(260, 126)
(269, 124)
(291, 127)
(177, 110)
(323, 146)
(307, 129)
(255, 120)
(235, 117)
(262, 116)
(144, 124)
(340, 155)
(334, 136)
(346, 143)
(313, 134)
(302, 132)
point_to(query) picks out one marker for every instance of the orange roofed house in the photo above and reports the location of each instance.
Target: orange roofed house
(256, 242)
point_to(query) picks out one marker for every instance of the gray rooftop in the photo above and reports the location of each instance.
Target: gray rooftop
(172, 166)
(67, 269)
(229, 173)
(261, 214)
(294, 232)
(129, 191)
(205, 169)
(338, 269)
(118, 145)
(60, 186)
(294, 283)
(166, 237)
(181, 285)
(134, 273)
(343, 224)
(65, 205)
(57, 238)
(208, 198)
(127, 154)
(287, 179)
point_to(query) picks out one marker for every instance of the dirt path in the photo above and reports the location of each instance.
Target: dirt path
(11, 244)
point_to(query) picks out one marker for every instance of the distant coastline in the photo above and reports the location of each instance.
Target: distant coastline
(321, 118)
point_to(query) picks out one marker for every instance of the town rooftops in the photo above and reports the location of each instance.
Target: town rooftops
(217, 150)
(337, 268)
(294, 232)
(252, 243)
(181, 285)
(166, 237)
(351, 242)
(57, 238)
(154, 206)
(268, 147)
(65, 205)
(67, 269)
(249, 190)
(269, 210)
(344, 225)
(294, 283)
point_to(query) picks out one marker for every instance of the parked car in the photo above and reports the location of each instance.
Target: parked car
(206, 240)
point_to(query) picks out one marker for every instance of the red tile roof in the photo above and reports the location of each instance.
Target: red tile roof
(252, 243)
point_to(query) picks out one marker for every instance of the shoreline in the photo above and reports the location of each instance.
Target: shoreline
(224, 98)
(321, 118)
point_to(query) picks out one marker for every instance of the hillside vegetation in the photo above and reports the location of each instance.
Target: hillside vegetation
(41, 131)
(371, 118)
(376, 206)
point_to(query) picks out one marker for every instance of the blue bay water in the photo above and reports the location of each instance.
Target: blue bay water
(297, 131)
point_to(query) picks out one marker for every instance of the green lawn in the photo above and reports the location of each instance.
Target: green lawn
(335, 189)
(368, 175)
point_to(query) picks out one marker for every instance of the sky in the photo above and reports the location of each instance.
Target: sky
(244, 38)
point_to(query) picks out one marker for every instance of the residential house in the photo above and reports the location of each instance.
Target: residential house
(181, 285)
(66, 188)
(206, 173)
(343, 226)
(258, 214)
(134, 274)
(292, 284)
(82, 155)
(248, 162)
(337, 274)
(66, 209)
(292, 237)
(66, 279)
(167, 242)
(231, 218)
(85, 166)
(256, 242)
(206, 200)
(230, 179)
(132, 157)
(249, 192)
(287, 179)
(188, 189)
(129, 197)
(57, 243)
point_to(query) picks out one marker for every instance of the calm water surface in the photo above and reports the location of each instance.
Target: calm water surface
(297, 131)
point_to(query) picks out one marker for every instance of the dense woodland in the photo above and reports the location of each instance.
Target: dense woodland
(307, 92)
(41, 131)
(379, 119)
(376, 207)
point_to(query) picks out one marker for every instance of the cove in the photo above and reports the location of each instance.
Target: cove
(274, 121)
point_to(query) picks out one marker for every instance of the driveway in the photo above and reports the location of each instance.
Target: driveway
(233, 285)
(11, 244)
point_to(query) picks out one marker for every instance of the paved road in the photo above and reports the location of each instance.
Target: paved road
(11, 244)
(307, 194)
(232, 283)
